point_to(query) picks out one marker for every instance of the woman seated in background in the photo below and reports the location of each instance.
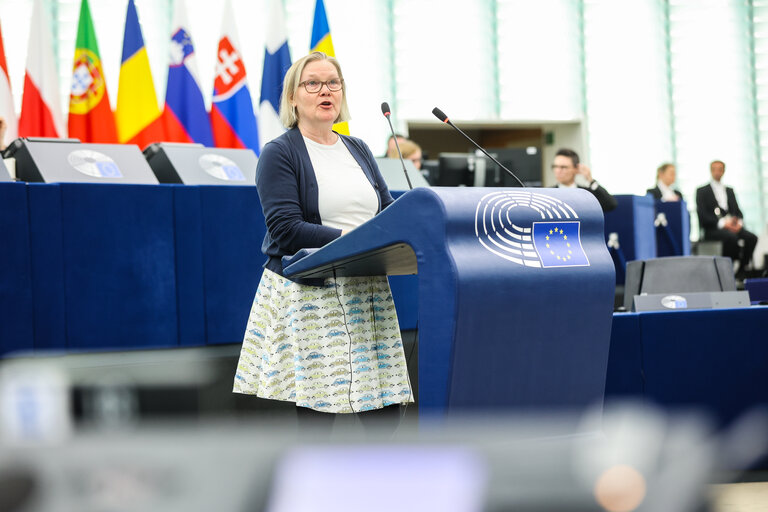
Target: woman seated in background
(410, 150)
(665, 178)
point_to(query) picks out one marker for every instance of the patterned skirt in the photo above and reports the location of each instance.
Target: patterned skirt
(334, 348)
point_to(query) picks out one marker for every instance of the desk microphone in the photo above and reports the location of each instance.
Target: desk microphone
(386, 112)
(444, 118)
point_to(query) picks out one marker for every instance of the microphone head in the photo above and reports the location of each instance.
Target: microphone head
(385, 108)
(439, 114)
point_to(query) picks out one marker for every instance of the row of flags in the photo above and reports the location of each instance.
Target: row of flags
(137, 118)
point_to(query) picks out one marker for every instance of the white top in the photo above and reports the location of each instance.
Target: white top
(346, 198)
(667, 194)
(720, 194)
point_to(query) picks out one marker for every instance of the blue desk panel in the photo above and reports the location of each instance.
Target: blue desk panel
(190, 289)
(716, 360)
(119, 266)
(674, 238)
(47, 260)
(16, 306)
(632, 221)
(233, 230)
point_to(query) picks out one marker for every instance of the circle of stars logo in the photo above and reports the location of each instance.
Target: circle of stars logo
(562, 249)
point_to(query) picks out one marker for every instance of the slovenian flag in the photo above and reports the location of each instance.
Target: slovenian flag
(90, 114)
(277, 60)
(232, 116)
(7, 110)
(41, 114)
(185, 116)
(138, 117)
(321, 42)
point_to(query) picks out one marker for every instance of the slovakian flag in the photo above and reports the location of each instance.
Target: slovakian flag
(90, 114)
(277, 60)
(7, 110)
(41, 114)
(232, 116)
(139, 120)
(321, 42)
(185, 116)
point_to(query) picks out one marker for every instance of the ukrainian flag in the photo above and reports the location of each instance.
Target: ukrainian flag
(321, 42)
(138, 117)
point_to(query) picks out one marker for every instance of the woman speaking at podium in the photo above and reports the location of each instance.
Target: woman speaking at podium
(329, 345)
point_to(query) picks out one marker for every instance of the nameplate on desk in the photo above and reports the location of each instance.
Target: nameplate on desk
(694, 300)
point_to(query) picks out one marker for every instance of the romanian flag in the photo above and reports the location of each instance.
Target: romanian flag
(90, 115)
(232, 117)
(321, 42)
(139, 120)
(185, 116)
(41, 114)
(6, 100)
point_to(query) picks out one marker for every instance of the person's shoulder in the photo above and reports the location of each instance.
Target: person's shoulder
(280, 144)
(356, 141)
(704, 188)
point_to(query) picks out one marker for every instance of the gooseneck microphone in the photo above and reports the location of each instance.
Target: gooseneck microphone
(444, 118)
(387, 113)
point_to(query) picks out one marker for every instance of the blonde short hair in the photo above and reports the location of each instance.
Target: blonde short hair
(663, 168)
(288, 114)
(407, 148)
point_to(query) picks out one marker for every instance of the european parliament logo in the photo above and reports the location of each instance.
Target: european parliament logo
(95, 164)
(555, 241)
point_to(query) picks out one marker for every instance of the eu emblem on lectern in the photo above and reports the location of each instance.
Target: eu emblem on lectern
(558, 244)
(554, 241)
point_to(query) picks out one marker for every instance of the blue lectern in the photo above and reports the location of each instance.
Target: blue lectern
(515, 292)
(673, 229)
(629, 231)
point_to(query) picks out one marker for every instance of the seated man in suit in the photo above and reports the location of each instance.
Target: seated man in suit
(665, 178)
(570, 173)
(721, 218)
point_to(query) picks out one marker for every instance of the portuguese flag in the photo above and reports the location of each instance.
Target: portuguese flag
(90, 115)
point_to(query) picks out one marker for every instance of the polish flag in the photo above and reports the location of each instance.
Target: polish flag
(41, 114)
(7, 111)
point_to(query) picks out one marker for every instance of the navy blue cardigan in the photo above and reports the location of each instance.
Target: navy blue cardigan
(287, 189)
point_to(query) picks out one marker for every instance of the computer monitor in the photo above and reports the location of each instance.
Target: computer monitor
(392, 171)
(458, 170)
(678, 274)
(4, 175)
(67, 160)
(195, 164)
(524, 162)
(476, 169)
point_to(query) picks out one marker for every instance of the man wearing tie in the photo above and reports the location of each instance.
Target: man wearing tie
(721, 219)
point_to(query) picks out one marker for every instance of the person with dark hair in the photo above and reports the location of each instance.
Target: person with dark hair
(571, 173)
(665, 178)
(721, 219)
(328, 345)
